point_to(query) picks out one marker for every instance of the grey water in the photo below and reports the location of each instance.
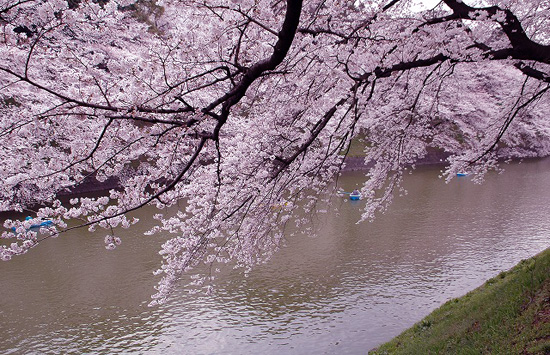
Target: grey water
(345, 291)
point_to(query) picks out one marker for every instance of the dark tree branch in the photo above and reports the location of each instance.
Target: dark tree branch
(403, 66)
(8, 8)
(285, 38)
(522, 46)
(319, 126)
(532, 72)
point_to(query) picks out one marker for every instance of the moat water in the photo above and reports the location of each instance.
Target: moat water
(349, 289)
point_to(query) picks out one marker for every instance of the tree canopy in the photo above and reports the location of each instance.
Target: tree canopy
(233, 106)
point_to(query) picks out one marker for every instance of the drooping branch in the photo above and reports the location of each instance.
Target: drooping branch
(320, 125)
(380, 72)
(507, 122)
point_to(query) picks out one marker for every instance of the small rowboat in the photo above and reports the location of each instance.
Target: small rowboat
(354, 197)
(42, 224)
(461, 174)
(36, 226)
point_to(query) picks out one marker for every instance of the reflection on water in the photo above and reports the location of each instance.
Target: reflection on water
(347, 290)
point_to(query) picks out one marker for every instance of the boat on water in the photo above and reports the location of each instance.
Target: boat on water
(462, 174)
(355, 195)
(35, 225)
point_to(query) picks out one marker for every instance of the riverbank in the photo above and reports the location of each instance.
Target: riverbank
(353, 162)
(509, 314)
(356, 161)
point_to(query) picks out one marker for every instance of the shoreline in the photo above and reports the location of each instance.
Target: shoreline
(509, 313)
(357, 163)
(351, 163)
(91, 186)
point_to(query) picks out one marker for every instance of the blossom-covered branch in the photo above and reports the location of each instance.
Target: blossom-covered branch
(244, 112)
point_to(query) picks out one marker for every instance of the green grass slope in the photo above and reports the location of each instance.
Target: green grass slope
(509, 314)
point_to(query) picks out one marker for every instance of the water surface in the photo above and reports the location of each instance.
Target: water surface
(345, 291)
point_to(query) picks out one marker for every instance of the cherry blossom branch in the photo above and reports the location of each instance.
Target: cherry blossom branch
(319, 126)
(91, 105)
(280, 50)
(508, 121)
(6, 9)
(246, 16)
(532, 72)
(151, 198)
(346, 37)
(522, 46)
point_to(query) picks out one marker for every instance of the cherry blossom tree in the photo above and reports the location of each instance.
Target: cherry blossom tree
(232, 107)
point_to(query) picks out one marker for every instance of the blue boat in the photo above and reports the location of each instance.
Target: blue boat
(42, 224)
(355, 195)
(461, 174)
(36, 226)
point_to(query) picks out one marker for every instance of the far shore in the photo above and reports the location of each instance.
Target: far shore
(352, 163)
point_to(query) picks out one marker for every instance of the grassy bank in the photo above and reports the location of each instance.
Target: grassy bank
(509, 314)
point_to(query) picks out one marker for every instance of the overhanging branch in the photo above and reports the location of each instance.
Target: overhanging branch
(523, 47)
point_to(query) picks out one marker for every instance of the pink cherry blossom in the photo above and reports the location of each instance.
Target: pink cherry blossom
(227, 109)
